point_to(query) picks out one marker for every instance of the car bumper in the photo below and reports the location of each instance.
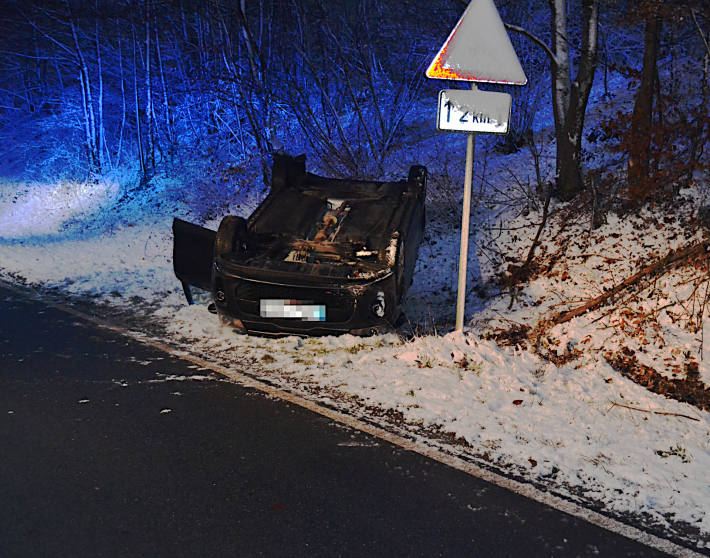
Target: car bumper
(350, 307)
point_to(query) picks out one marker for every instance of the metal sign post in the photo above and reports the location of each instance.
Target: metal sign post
(465, 228)
(478, 49)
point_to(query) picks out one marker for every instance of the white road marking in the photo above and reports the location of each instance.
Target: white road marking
(358, 444)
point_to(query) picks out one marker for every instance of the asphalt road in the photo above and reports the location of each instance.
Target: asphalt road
(112, 448)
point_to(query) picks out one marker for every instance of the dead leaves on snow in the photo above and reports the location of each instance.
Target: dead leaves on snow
(686, 390)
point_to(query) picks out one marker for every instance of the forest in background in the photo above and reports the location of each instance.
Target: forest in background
(90, 87)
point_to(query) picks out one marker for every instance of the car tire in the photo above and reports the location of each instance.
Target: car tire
(287, 171)
(418, 180)
(231, 234)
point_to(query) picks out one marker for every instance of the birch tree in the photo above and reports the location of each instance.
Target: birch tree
(88, 105)
(139, 136)
(169, 134)
(569, 126)
(149, 113)
(101, 148)
(121, 81)
(569, 96)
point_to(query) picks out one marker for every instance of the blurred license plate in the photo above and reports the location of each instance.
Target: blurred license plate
(299, 309)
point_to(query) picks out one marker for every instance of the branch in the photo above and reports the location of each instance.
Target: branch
(700, 31)
(539, 42)
(665, 413)
(543, 221)
(52, 39)
(30, 56)
(671, 258)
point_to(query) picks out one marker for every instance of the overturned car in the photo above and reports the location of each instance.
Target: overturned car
(318, 256)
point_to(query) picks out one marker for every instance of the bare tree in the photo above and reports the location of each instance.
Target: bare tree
(570, 127)
(149, 113)
(642, 118)
(101, 128)
(664, 153)
(167, 112)
(255, 88)
(88, 104)
(569, 96)
(353, 113)
(699, 138)
(123, 102)
(139, 135)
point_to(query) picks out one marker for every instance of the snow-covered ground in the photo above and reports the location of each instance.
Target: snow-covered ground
(553, 413)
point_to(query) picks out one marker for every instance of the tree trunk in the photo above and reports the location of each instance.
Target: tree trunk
(166, 105)
(642, 118)
(560, 65)
(88, 106)
(698, 139)
(150, 125)
(569, 98)
(256, 84)
(139, 135)
(101, 130)
(123, 100)
(569, 152)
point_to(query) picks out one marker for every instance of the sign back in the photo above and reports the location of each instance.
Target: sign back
(478, 49)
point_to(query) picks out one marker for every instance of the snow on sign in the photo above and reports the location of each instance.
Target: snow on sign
(478, 49)
(462, 110)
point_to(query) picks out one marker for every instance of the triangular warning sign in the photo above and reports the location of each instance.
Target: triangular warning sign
(478, 49)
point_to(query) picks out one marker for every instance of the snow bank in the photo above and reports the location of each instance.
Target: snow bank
(569, 427)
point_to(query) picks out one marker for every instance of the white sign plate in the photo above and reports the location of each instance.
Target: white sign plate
(463, 110)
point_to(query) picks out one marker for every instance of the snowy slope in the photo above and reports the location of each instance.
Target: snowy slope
(577, 427)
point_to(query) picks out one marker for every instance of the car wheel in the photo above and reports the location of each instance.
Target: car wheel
(287, 171)
(231, 234)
